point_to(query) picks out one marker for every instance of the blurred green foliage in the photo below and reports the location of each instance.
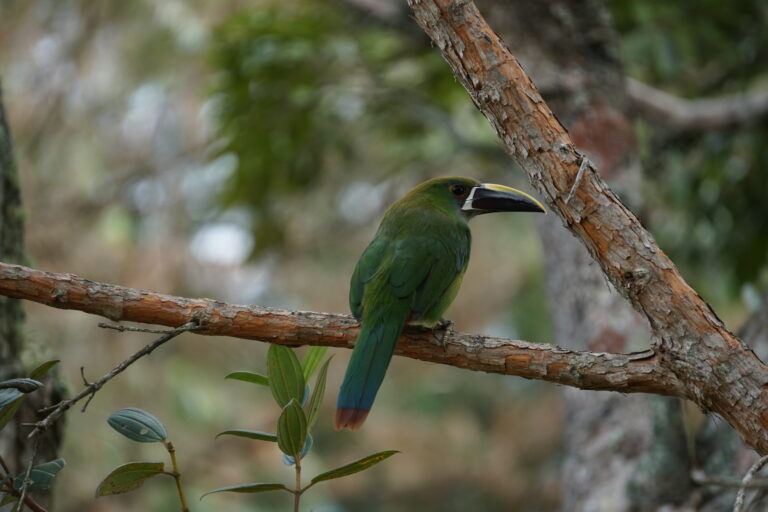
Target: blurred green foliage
(693, 48)
(306, 90)
(706, 192)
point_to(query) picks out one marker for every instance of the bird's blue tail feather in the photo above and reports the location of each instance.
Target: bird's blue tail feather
(367, 366)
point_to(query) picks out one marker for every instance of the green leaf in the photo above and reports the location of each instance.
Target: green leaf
(255, 378)
(128, 477)
(9, 410)
(138, 425)
(311, 360)
(286, 379)
(354, 467)
(42, 370)
(23, 384)
(250, 434)
(41, 475)
(291, 429)
(317, 394)
(249, 488)
(8, 395)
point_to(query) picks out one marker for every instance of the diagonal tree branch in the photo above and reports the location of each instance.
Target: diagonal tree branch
(719, 372)
(627, 373)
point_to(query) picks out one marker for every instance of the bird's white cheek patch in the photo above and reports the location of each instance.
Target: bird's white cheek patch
(468, 201)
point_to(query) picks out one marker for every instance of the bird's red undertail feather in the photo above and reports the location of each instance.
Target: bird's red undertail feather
(349, 418)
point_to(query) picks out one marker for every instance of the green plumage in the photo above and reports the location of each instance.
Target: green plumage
(411, 272)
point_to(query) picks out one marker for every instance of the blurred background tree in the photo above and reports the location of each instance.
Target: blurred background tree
(246, 152)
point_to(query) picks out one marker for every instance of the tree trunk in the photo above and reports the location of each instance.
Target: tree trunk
(14, 446)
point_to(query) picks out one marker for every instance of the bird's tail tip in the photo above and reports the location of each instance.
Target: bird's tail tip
(349, 418)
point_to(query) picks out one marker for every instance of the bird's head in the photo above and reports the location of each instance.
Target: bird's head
(473, 198)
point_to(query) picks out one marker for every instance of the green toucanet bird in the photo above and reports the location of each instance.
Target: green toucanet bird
(411, 272)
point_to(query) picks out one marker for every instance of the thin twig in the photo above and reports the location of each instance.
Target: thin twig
(123, 328)
(27, 476)
(757, 466)
(4, 465)
(31, 503)
(86, 383)
(93, 387)
(298, 490)
(82, 374)
(176, 475)
(702, 479)
(699, 114)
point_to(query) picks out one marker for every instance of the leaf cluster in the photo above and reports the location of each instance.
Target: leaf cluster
(288, 379)
(13, 392)
(307, 91)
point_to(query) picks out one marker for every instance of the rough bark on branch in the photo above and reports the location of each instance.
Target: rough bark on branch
(719, 372)
(627, 373)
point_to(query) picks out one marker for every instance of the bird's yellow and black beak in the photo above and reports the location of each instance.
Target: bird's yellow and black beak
(488, 198)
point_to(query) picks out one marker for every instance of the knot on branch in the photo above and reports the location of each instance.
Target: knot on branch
(636, 279)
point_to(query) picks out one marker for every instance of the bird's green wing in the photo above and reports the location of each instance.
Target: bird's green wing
(367, 266)
(424, 268)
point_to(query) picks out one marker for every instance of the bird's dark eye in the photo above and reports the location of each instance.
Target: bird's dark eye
(459, 190)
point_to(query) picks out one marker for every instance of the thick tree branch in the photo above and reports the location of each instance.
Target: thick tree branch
(698, 114)
(627, 373)
(719, 372)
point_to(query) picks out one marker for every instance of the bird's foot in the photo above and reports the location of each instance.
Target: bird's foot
(440, 331)
(446, 326)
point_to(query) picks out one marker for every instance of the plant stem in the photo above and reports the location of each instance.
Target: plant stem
(28, 501)
(27, 477)
(299, 490)
(176, 475)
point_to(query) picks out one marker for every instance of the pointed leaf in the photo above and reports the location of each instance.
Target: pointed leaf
(8, 395)
(41, 476)
(317, 395)
(22, 384)
(6, 413)
(138, 425)
(250, 434)
(286, 379)
(128, 477)
(9, 410)
(42, 370)
(253, 377)
(354, 467)
(311, 360)
(292, 429)
(249, 488)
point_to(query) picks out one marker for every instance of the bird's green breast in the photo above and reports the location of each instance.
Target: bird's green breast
(417, 258)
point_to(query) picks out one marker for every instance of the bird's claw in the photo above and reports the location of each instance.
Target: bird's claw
(447, 327)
